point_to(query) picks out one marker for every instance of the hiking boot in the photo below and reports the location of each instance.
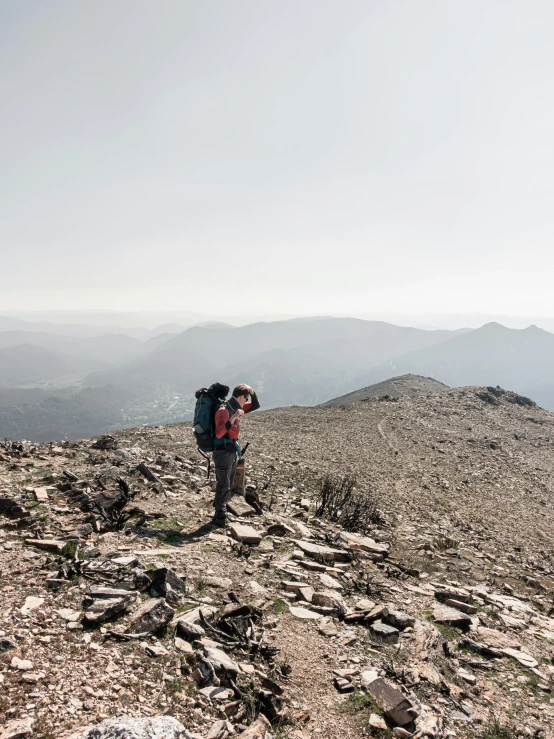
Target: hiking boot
(220, 523)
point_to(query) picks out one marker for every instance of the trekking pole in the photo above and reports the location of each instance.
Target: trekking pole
(243, 450)
(209, 461)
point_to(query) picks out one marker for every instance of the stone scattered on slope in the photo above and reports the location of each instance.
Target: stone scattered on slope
(364, 543)
(239, 507)
(151, 616)
(451, 616)
(128, 727)
(496, 639)
(245, 534)
(396, 707)
(522, 657)
(220, 660)
(105, 609)
(384, 633)
(32, 603)
(325, 553)
(304, 613)
(16, 729)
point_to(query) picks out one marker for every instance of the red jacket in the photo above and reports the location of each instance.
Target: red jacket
(223, 427)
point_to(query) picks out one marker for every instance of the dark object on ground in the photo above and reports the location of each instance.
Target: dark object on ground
(111, 508)
(340, 501)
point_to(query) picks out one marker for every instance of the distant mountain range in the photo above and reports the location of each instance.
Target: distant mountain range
(53, 381)
(520, 360)
(289, 362)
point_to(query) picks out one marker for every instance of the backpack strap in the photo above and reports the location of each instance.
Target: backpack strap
(224, 441)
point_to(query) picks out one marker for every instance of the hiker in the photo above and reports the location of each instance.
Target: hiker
(226, 445)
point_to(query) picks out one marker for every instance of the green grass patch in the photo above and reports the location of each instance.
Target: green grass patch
(185, 608)
(360, 706)
(167, 524)
(280, 606)
(449, 632)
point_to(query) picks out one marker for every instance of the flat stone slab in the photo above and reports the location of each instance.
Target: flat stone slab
(155, 552)
(319, 551)
(451, 616)
(461, 606)
(364, 543)
(99, 591)
(106, 608)
(245, 534)
(496, 639)
(304, 613)
(239, 507)
(522, 657)
(220, 660)
(330, 582)
(392, 702)
(69, 614)
(384, 633)
(31, 604)
(49, 545)
(41, 494)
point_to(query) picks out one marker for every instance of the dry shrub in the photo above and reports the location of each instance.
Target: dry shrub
(341, 502)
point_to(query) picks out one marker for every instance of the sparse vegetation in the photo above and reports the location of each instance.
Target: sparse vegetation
(340, 501)
(495, 730)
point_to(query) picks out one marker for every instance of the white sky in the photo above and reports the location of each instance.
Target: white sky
(309, 156)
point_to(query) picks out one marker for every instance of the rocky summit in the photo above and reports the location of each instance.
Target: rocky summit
(389, 572)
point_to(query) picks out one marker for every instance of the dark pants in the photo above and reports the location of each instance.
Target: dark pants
(225, 463)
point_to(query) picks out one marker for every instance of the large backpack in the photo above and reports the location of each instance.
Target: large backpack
(208, 401)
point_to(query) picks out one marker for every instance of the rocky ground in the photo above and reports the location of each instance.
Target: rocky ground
(436, 621)
(394, 387)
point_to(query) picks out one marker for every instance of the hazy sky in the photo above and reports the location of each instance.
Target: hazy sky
(310, 156)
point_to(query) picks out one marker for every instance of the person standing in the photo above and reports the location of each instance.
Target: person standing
(226, 446)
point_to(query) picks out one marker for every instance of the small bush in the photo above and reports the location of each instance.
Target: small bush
(339, 501)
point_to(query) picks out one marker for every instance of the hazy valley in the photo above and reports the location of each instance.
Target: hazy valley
(84, 380)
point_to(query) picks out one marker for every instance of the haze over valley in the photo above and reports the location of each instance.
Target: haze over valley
(83, 380)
